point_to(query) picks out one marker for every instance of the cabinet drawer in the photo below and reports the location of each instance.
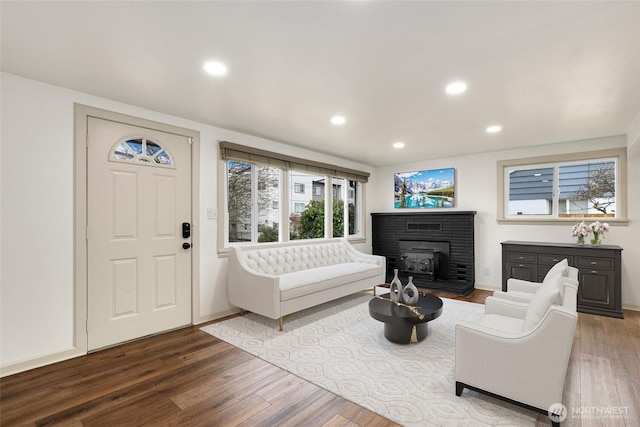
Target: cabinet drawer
(522, 271)
(552, 259)
(522, 257)
(595, 263)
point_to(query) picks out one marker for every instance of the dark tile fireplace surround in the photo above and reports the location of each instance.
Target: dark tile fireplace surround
(436, 248)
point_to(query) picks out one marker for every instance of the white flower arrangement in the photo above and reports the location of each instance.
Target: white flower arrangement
(599, 227)
(581, 230)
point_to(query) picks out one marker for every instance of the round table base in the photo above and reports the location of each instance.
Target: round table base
(405, 334)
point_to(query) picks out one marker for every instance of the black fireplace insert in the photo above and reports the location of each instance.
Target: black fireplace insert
(423, 259)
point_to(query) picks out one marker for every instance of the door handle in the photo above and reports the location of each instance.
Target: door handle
(186, 245)
(186, 230)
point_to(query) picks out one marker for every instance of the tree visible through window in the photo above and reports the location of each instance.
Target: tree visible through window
(254, 196)
(593, 187)
(246, 182)
(566, 189)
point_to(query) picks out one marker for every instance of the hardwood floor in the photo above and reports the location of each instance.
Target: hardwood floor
(188, 377)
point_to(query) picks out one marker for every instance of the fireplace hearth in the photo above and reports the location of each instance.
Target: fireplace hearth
(437, 248)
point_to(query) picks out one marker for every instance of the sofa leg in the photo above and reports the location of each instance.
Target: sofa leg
(242, 312)
(459, 388)
(281, 323)
(374, 291)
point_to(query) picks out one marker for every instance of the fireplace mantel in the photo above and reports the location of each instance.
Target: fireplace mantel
(454, 227)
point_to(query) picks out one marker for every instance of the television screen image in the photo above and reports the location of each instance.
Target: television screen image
(425, 189)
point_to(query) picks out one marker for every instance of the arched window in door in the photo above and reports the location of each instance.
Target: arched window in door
(142, 151)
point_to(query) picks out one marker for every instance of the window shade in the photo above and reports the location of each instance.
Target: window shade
(242, 153)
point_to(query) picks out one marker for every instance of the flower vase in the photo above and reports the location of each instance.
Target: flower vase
(395, 288)
(410, 292)
(580, 240)
(596, 239)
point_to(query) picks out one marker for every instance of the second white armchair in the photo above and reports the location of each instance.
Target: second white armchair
(517, 351)
(523, 290)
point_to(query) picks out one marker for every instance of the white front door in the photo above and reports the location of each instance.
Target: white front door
(138, 197)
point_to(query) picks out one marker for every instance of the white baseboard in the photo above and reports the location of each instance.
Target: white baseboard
(215, 316)
(631, 307)
(485, 287)
(38, 361)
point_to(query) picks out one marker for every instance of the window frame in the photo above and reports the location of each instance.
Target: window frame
(620, 156)
(298, 205)
(285, 164)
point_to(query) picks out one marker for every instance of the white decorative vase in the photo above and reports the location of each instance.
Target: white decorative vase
(395, 289)
(410, 292)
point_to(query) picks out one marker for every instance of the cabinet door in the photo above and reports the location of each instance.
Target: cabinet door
(596, 289)
(522, 271)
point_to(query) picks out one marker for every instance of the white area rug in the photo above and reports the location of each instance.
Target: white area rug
(339, 347)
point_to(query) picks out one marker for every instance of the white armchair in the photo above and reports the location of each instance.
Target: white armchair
(520, 352)
(523, 290)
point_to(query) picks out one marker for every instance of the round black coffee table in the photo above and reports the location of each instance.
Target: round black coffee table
(403, 324)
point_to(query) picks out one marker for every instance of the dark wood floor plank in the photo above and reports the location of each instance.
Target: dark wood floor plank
(257, 375)
(592, 339)
(284, 386)
(339, 421)
(281, 413)
(236, 413)
(629, 393)
(151, 410)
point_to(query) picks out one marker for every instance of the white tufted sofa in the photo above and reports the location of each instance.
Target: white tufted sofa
(276, 279)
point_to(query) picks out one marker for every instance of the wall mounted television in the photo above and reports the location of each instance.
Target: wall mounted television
(434, 188)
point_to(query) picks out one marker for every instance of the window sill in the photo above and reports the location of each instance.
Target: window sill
(561, 221)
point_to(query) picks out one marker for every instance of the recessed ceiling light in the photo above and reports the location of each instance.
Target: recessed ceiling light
(494, 129)
(215, 68)
(398, 144)
(338, 120)
(456, 88)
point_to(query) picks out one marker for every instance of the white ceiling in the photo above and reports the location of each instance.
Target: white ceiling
(546, 71)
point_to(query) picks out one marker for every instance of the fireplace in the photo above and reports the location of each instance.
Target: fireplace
(436, 248)
(422, 259)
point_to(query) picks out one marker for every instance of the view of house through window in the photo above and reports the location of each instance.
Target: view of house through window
(272, 197)
(563, 190)
(248, 186)
(253, 202)
(344, 207)
(307, 223)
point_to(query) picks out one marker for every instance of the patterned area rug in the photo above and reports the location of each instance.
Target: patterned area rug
(339, 347)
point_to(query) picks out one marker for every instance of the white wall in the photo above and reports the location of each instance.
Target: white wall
(476, 184)
(633, 134)
(36, 268)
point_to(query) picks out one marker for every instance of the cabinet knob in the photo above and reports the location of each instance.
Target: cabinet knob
(594, 263)
(556, 260)
(520, 257)
(520, 265)
(594, 272)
